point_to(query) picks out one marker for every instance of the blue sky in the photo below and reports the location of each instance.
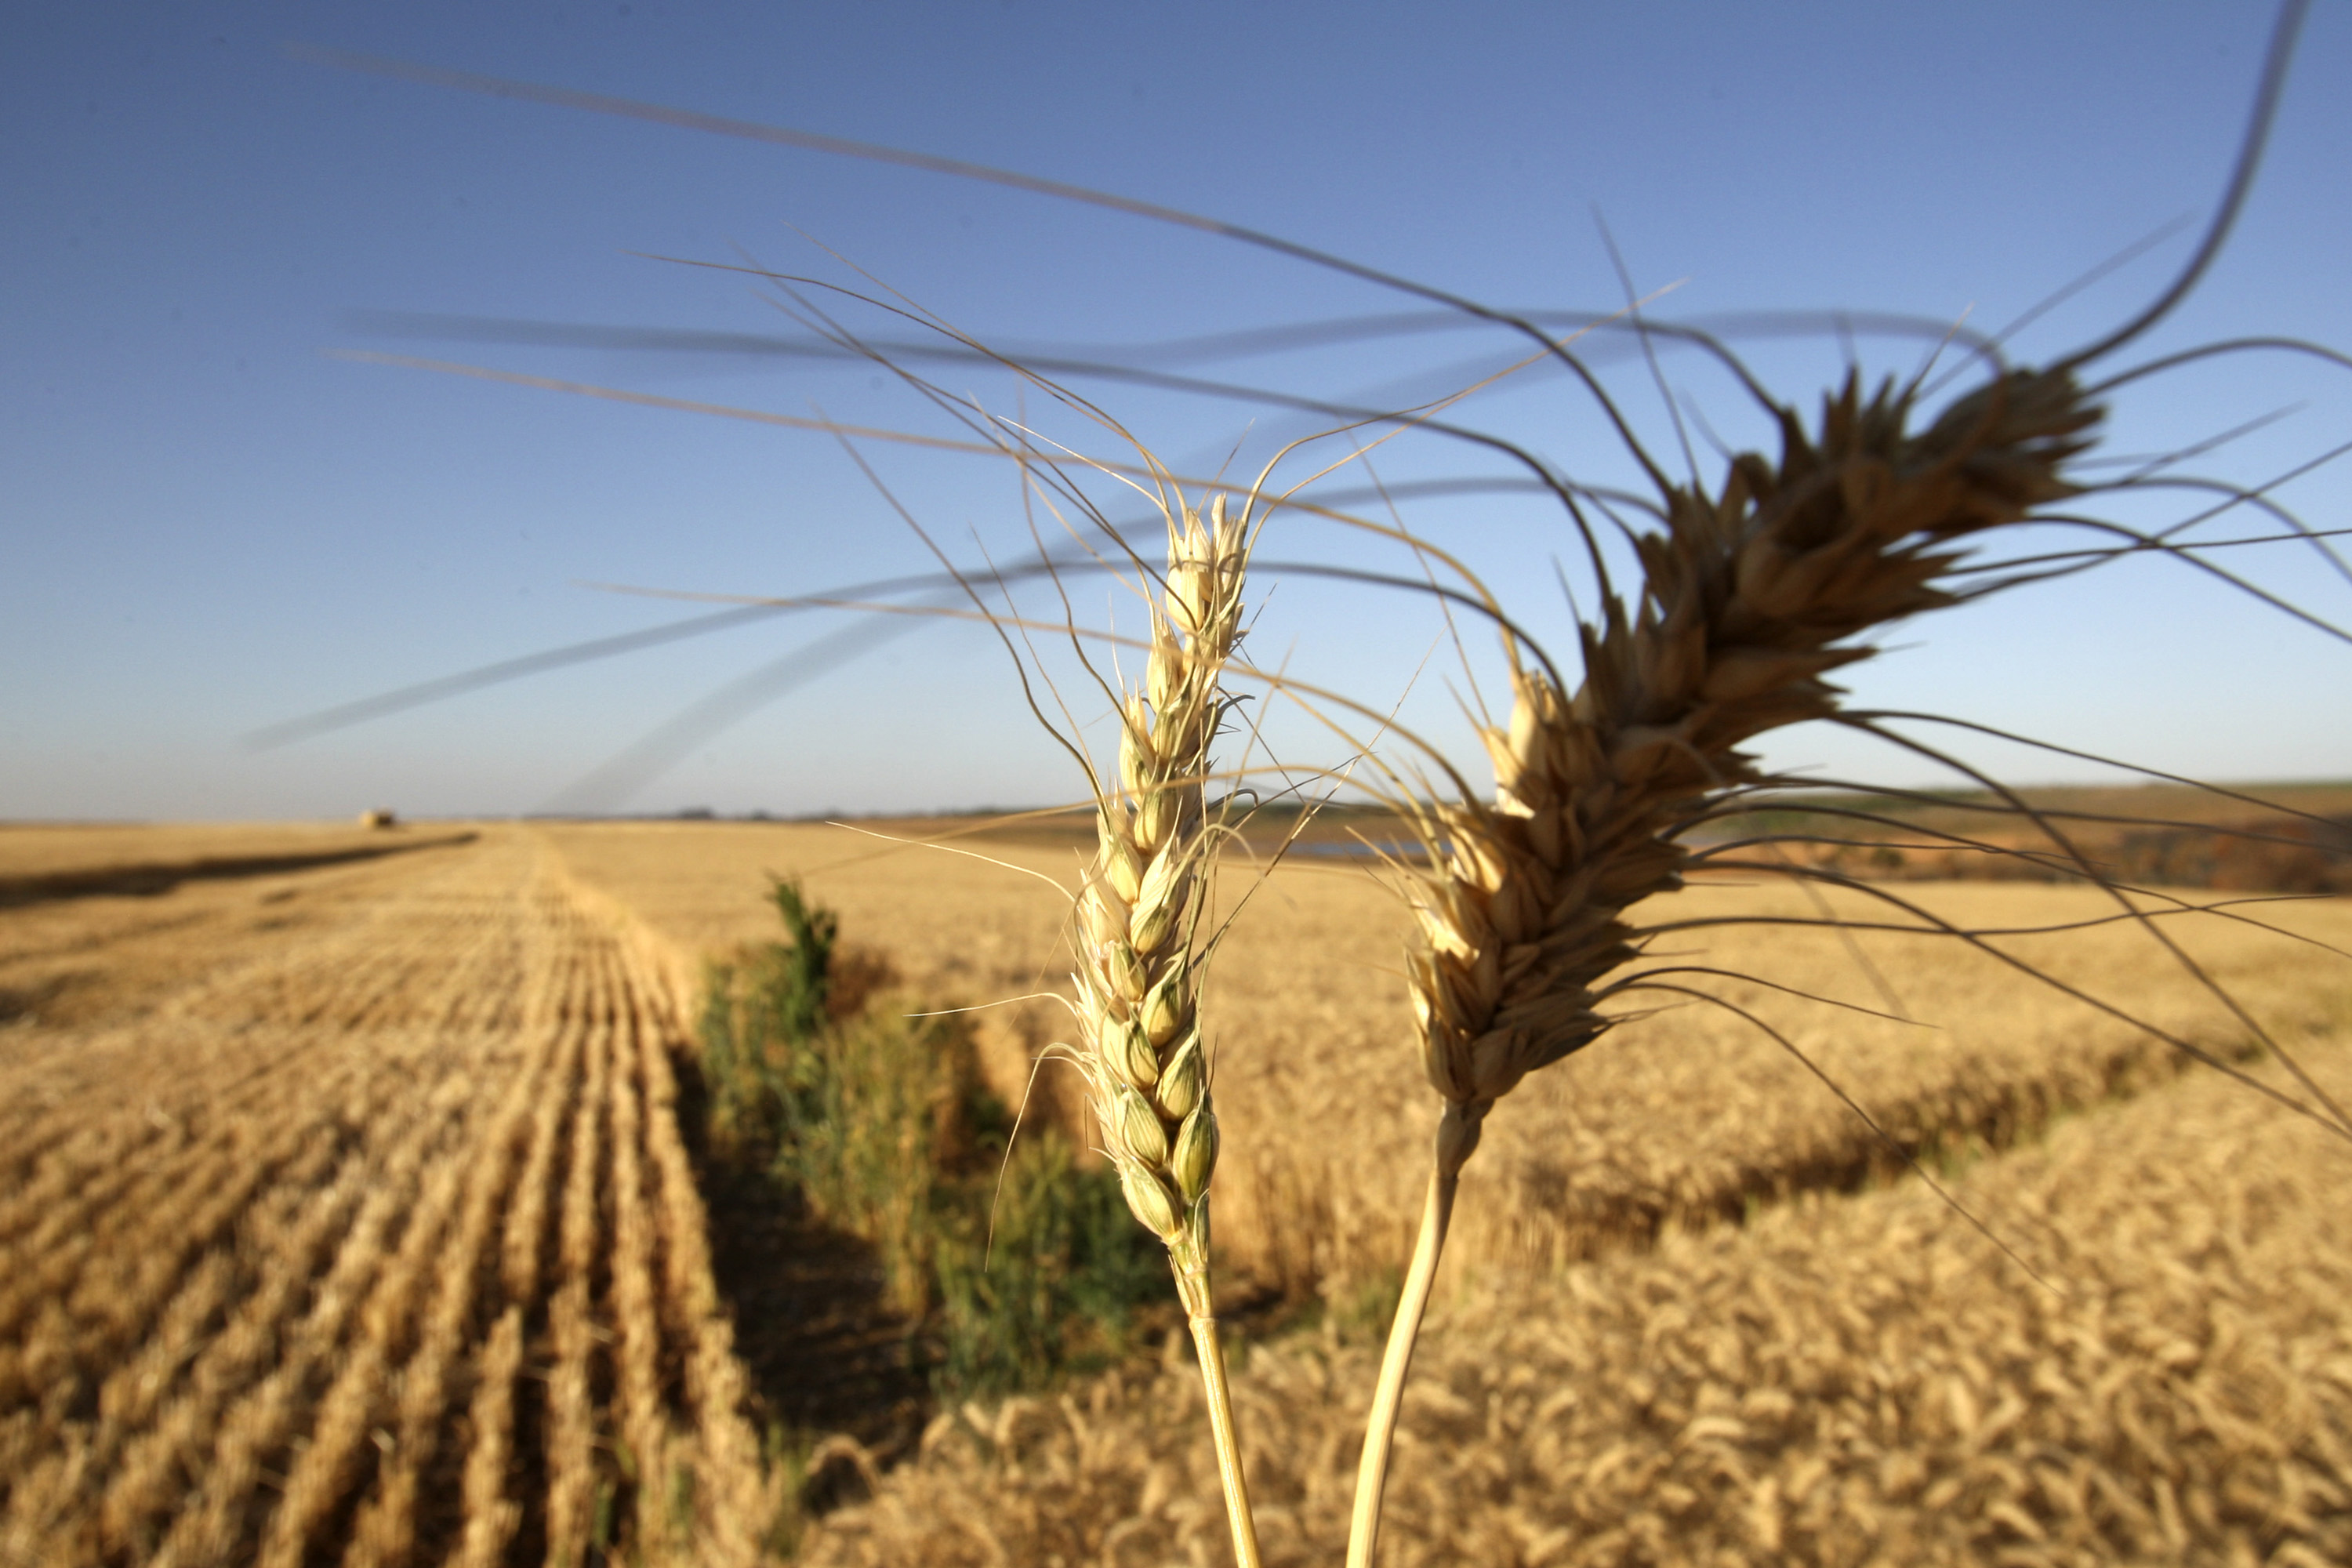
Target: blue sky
(213, 523)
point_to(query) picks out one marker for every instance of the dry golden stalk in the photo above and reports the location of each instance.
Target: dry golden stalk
(272, 1318)
(296, 1251)
(264, 1416)
(571, 1424)
(526, 1222)
(1137, 919)
(490, 1516)
(635, 1305)
(731, 1496)
(1750, 598)
(384, 1529)
(347, 1416)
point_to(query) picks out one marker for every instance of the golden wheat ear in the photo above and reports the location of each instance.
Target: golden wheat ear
(1137, 926)
(1751, 596)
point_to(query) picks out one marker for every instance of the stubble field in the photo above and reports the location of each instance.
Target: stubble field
(349, 1217)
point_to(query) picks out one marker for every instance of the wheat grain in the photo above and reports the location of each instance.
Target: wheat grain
(1137, 917)
(1138, 920)
(1852, 1379)
(1750, 598)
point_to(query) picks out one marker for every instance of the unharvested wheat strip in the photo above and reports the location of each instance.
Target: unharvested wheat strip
(211, 1529)
(571, 1412)
(385, 1532)
(490, 1516)
(323, 1473)
(731, 1497)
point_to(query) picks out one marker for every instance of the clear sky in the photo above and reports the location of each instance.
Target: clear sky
(214, 521)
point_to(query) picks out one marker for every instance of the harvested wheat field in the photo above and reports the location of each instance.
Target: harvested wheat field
(347, 1218)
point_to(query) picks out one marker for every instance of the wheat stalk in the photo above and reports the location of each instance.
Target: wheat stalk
(1137, 921)
(1750, 598)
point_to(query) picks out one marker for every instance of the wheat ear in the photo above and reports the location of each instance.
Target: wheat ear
(1138, 920)
(1748, 599)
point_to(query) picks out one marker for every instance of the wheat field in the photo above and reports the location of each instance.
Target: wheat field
(349, 1216)
(1843, 1381)
(1307, 1015)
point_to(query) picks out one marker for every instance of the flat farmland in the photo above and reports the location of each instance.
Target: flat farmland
(1690, 1114)
(348, 1217)
(1845, 1379)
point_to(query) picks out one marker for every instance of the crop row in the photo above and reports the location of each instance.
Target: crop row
(383, 1249)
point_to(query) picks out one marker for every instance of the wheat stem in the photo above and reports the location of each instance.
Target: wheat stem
(1749, 597)
(1144, 1057)
(1221, 1430)
(1388, 1397)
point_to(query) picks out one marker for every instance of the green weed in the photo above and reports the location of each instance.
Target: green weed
(1019, 1263)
